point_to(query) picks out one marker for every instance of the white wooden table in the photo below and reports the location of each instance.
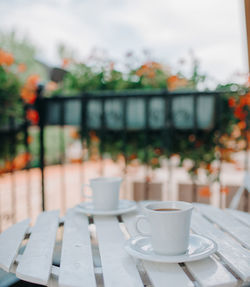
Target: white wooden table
(92, 252)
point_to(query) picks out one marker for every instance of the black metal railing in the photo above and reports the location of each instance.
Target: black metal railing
(94, 111)
(157, 114)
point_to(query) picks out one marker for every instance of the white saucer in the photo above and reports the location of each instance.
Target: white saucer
(199, 247)
(124, 206)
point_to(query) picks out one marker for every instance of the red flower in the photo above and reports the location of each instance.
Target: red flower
(239, 113)
(242, 101)
(132, 156)
(33, 116)
(231, 102)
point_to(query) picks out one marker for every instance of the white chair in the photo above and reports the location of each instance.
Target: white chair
(246, 186)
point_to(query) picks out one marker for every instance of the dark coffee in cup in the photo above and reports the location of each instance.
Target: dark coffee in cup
(166, 209)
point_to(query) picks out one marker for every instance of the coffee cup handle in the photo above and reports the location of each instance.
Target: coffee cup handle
(138, 219)
(84, 195)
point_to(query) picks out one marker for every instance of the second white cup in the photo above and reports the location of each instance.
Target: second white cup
(105, 192)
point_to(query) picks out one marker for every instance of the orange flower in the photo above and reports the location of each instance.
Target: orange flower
(32, 116)
(28, 96)
(151, 74)
(174, 154)
(158, 151)
(94, 137)
(156, 66)
(21, 68)
(175, 82)
(247, 99)
(173, 79)
(8, 166)
(21, 160)
(9, 59)
(142, 70)
(192, 138)
(74, 134)
(6, 58)
(28, 92)
(65, 62)
(208, 167)
(204, 191)
(242, 125)
(32, 81)
(154, 161)
(2, 170)
(30, 139)
(224, 189)
(231, 102)
(148, 69)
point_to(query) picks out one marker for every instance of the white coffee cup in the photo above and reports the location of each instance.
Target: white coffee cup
(169, 229)
(105, 192)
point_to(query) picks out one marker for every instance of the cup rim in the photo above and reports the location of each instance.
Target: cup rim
(186, 206)
(106, 179)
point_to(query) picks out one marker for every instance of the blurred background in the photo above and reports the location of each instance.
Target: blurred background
(157, 92)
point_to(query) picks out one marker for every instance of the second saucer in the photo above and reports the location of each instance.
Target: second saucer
(124, 206)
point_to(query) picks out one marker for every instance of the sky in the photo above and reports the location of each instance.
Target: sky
(212, 30)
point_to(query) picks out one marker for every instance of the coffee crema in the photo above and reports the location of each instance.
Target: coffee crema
(166, 209)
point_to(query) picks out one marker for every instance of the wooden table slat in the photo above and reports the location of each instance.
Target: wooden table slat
(227, 222)
(209, 272)
(118, 267)
(240, 215)
(36, 262)
(159, 273)
(233, 254)
(76, 259)
(229, 228)
(10, 242)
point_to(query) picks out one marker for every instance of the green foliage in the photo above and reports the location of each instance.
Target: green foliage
(10, 104)
(24, 52)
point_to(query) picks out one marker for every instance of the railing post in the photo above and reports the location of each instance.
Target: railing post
(103, 136)
(40, 109)
(12, 151)
(27, 149)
